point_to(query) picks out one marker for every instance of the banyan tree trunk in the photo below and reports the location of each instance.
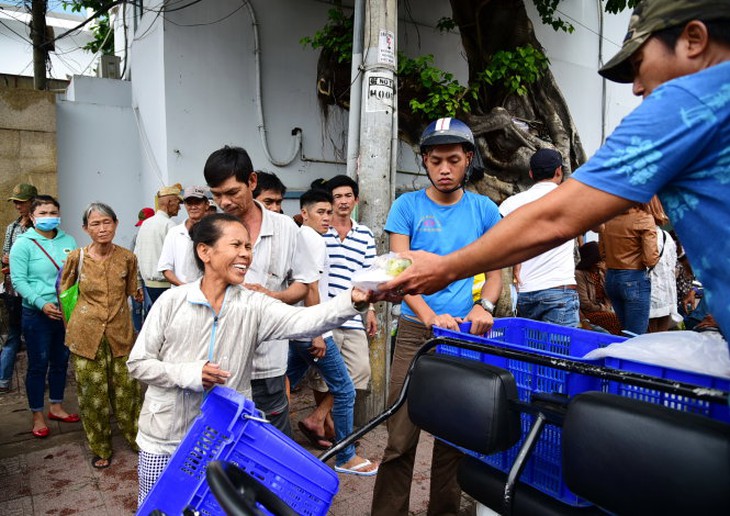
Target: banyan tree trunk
(508, 127)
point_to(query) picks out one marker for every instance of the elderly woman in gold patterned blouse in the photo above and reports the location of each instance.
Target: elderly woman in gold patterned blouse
(100, 335)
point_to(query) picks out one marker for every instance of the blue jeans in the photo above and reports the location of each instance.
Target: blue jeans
(10, 348)
(334, 373)
(47, 356)
(630, 294)
(153, 293)
(558, 305)
(139, 310)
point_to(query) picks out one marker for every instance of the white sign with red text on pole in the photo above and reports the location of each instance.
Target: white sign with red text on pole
(386, 48)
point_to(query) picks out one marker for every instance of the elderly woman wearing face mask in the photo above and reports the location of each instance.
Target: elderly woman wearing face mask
(35, 260)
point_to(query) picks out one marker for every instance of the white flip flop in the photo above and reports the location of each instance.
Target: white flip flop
(356, 470)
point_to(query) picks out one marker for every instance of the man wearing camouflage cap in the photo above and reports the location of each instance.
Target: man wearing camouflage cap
(676, 144)
(21, 197)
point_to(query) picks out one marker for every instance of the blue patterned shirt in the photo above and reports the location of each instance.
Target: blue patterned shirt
(677, 144)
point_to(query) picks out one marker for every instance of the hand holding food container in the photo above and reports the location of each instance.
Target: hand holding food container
(384, 268)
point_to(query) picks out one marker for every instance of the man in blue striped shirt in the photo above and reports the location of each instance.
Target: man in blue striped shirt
(350, 247)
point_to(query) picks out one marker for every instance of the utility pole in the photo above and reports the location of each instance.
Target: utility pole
(38, 35)
(377, 114)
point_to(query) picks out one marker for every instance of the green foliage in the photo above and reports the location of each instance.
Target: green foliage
(616, 6)
(515, 69)
(436, 93)
(446, 24)
(103, 38)
(101, 29)
(335, 36)
(440, 94)
(546, 9)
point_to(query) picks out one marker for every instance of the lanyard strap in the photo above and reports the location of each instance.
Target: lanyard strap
(46, 253)
(78, 267)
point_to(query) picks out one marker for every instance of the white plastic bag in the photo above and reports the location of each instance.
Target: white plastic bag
(384, 268)
(699, 352)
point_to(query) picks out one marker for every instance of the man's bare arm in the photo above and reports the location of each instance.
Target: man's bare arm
(293, 294)
(533, 229)
(170, 276)
(492, 286)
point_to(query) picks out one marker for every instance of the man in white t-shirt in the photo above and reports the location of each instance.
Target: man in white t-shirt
(177, 262)
(546, 283)
(322, 353)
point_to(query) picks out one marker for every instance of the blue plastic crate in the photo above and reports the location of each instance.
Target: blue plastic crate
(226, 431)
(684, 404)
(543, 470)
(537, 337)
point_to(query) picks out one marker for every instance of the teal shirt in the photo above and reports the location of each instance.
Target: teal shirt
(32, 272)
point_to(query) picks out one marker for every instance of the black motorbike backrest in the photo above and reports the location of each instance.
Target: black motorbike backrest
(632, 457)
(464, 402)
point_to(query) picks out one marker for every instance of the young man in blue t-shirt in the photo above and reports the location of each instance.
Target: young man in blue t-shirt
(676, 144)
(439, 219)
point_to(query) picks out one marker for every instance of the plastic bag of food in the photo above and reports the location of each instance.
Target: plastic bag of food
(705, 352)
(384, 268)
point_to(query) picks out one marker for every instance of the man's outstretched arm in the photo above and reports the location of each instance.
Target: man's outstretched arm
(564, 213)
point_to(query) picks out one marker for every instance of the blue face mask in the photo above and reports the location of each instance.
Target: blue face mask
(47, 223)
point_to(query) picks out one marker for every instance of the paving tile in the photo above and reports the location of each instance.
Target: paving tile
(118, 483)
(73, 498)
(95, 511)
(56, 468)
(14, 486)
(14, 479)
(22, 506)
(121, 503)
(13, 465)
(18, 420)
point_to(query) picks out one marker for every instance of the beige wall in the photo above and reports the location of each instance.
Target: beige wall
(27, 145)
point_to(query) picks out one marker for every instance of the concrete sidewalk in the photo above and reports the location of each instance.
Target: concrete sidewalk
(54, 476)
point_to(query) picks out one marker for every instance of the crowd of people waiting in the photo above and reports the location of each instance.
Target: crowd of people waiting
(203, 274)
(211, 255)
(175, 314)
(231, 321)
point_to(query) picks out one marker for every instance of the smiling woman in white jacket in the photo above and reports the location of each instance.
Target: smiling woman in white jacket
(204, 333)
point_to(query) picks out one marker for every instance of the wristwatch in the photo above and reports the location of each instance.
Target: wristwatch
(486, 304)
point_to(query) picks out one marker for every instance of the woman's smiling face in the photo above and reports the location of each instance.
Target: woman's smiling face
(230, 256)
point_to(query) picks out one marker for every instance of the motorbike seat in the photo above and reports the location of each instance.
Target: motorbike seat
(633, 457)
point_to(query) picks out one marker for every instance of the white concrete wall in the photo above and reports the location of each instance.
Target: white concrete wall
(575, 60)
(16, 50)
(193, 85)
(620, 101)
(210, 76)
(99, 155)
(149, 105)
(209, 93)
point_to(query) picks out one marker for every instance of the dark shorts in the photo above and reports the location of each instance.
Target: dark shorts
(269, 395)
